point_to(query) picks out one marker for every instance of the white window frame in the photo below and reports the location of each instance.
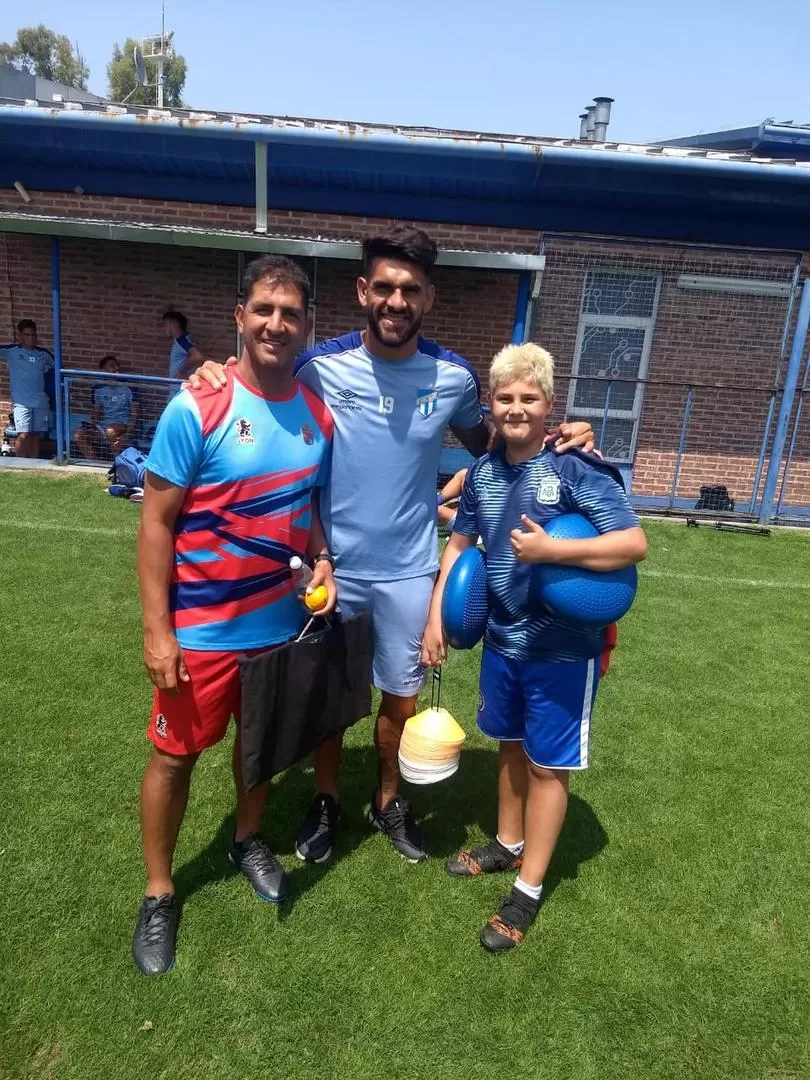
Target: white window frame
(646, 323)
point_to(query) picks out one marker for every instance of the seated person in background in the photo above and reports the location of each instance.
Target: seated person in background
(114, 416)
(448, 499)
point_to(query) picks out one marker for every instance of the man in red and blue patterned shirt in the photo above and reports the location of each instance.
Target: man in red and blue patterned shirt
(228, 500)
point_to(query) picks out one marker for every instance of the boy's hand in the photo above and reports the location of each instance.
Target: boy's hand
(434, 645)
(579, 434)
(211, 373)
(533, 545)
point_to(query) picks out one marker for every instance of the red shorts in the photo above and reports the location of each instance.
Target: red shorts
(198, 716)
(611, 640)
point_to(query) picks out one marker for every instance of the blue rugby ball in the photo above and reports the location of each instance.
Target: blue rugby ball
(464, 602)
(587, 597)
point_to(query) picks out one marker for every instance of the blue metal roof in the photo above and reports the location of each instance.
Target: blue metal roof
(339, 167)
(786, 140)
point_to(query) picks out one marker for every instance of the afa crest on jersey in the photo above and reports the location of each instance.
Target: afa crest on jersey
(426, 401)
(548, 494)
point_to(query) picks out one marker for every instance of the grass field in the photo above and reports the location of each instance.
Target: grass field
(673, 942)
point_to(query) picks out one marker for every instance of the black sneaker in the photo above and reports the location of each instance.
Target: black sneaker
(509, 925)
(155, 934)
(396, 821)
(316, 835)
(258, 863)
(494, 858)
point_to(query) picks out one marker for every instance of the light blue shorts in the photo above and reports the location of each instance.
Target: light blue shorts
(399, 613)
(27, 420)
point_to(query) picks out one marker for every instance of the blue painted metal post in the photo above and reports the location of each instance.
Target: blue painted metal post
(763, 450)
(681, 444)
(793, 436)
(521, 308)
(788, 394)
(56, 303)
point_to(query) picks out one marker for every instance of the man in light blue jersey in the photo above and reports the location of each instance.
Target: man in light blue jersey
(27, 365)
(114, 416)
(392, 394)
(184, 356)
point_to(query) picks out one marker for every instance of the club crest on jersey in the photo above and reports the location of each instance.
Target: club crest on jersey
(548, 494)
(426, 401)
(307, 434)
(244, 432)
(160, 725)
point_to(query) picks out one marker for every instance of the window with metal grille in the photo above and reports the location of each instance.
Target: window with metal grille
(614, 337)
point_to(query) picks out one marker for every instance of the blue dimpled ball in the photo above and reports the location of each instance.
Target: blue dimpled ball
(465, 607)
(587, 597)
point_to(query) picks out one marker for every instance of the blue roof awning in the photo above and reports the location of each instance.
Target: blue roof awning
(562, 185)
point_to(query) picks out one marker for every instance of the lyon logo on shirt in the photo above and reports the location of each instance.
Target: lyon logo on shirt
(244, 432)
(426, 401)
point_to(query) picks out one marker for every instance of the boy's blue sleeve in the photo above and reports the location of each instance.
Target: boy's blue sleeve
(177, 447)
(603, 502)
(467, 513)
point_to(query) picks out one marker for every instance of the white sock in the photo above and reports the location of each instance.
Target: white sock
(534, 891)
(516, 849)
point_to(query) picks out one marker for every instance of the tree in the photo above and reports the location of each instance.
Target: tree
(40, 51)
(121, 78)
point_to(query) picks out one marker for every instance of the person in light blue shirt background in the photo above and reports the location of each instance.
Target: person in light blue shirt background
(184, 356)
(27, 366)
(114, 416)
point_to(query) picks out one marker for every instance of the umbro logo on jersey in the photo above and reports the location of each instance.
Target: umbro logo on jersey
(347, 400)
(244, 432)
(548, 494)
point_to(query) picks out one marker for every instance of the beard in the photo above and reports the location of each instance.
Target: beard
(407, 332)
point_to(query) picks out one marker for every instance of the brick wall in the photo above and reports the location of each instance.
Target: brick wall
(281, 222)
(113, 295)
(698, 338)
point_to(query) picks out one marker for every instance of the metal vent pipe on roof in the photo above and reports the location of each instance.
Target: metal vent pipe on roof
(601, 118)
(589, 111)
(583, 126)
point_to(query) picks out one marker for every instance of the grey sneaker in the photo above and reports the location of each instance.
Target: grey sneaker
(397, 822)
(263, 870)
(317, 834)
(153, 942)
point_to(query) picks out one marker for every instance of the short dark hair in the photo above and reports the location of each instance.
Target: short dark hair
(178, 317)
(402, 242)
(106, 359)
(26, 324)
(277, 270)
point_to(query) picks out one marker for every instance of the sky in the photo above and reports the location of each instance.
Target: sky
(524, 66)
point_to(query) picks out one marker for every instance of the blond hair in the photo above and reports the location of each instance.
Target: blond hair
(528, 363)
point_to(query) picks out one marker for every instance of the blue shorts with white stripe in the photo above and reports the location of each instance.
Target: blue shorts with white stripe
(546, 705)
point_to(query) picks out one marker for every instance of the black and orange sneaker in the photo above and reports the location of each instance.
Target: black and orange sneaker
(494, 858)
(510, 923)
